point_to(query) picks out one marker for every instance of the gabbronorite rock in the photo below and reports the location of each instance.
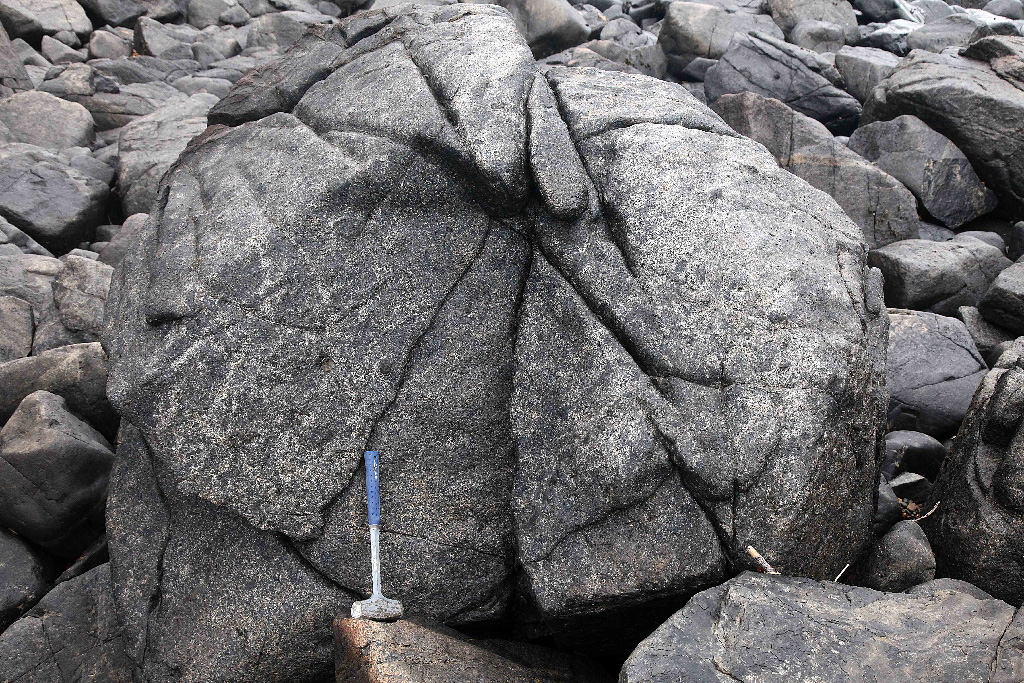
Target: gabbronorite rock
(596, 367)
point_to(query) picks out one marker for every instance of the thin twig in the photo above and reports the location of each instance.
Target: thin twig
(934, 508)
(761, 562)
(840, 575)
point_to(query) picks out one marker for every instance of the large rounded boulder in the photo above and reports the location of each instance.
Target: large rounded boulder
(602, 342)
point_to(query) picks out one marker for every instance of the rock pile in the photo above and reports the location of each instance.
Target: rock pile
(606, 284)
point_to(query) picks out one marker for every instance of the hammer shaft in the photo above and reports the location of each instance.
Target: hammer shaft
(375, 559)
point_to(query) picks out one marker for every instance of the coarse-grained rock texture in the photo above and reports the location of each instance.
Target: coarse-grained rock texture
(596, 367)
(419, 650)
(758, 627)
(978, 529)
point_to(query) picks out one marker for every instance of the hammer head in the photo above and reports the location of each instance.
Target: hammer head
(377, 608)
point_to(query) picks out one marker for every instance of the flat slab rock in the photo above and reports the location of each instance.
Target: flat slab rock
(427, 652)
(772, 628)
(580, 353)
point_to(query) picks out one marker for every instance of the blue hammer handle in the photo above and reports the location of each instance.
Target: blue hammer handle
(372, 459)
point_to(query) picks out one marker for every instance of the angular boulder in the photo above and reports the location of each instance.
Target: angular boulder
(16, 328)
(788, 13)
(150, 144)
(24, 577)
(902, 559)
(13, 77)
(929, 165)
(55, 469)
(938, 276)
(72, 634)
(877, 202)
(32, 19)
(770, 628)
(973, 102)
(978, 528)
(934, 369)
(769, 67)
(1003, 303)
(50, 200)
(40, 119)
(586, 408)
(696, 30)
(863, 68)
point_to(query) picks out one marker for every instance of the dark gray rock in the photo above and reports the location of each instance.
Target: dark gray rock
(280, 30)
(203, 13)
(1015, 241)
(818, 36)
(987, 236)
(935, 233)
(55, 469)
(959, 30)
(115, 12)
(978, 528)
(72, 634)
(427, 652)
(111, 105)
(987, 337)
(788, 13)
(887, 10)
(549, 26)
(78, 373)
(43, 195)
(24, 578)
(648, 59)
(584, 56)
(1003, 303)
(32, 19)
(903, 558)
(699, 30)
(888, 510)
(398, 265)
(911, 487)
(13, 77)
(938, 276)
(934, 369)
(970, 103)
(778, 628)
(877, 202)
(12, 239)
(126, 238)
(15, 328)
(150, 144)
(57, 52)
(159, 40)
(771, 68)
(863, 68)
(929, 165)
(108, 45)
(907, 451)
(80, 294)
(38, 118)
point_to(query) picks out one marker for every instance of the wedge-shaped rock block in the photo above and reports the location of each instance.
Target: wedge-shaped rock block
(595, 334)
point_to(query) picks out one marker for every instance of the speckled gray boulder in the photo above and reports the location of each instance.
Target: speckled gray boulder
(901, 559)
(771, 628)
(978, 529)
(584, 408)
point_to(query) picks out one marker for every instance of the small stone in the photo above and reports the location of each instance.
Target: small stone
(907, 451)
(901, 560)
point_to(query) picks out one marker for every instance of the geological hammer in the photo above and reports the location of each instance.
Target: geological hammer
(377, 607)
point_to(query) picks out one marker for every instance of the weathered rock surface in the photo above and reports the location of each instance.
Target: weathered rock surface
(934, 369)
(879, 204)
(768, 67)
(150, 144)
(979, 527)
(1003, 303)
(863, 68)
(698, 30)
(760, 627)
(958, 30)
(78, 373)
(970, 102)
(929, 165)
(46, 197)
(427, 652)
(72, 634)
(938, 276)
(24, 577)
(987, 337)
(55, 469)
(901, 559)
(40, 119)
(375, 270)
(788, 13)
(16, 328)
(32, 19)
(13, 77)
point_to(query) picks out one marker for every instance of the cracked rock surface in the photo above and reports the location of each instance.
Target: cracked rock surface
(771, 628)
(596, 368)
